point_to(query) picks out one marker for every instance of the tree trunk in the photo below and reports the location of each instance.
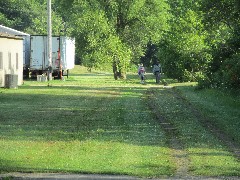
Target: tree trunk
(115, 72)
(122, 75)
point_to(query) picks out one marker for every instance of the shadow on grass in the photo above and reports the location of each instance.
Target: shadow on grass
(93, 74)
(49, 173)
(160, 170)
(81, 115)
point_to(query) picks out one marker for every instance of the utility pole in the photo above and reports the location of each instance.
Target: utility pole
(49, 41)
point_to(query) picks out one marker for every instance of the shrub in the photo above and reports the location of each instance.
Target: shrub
(203, 80)
(231, 72)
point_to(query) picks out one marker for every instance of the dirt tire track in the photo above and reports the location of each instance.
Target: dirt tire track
(180, 155)
(206, 123)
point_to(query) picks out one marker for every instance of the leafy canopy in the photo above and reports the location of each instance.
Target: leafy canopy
(116, 31)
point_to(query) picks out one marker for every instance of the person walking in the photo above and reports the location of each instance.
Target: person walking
(157, 70)
(141, 73)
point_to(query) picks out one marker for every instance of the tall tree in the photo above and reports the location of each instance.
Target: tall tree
(116, 32)
(184, 51)
(222, 21)
(29, 16)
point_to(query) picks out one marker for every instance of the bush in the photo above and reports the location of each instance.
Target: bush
(224, 75)
(188, 76)
(203, 80)
(231, 72)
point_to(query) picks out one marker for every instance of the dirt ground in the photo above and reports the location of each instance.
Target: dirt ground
(56, 176)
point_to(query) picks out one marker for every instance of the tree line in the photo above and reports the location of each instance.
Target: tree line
(194, 40)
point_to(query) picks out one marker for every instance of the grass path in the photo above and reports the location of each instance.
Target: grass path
(91, 123)
(200, 149)
(207, 123)
(178, 153)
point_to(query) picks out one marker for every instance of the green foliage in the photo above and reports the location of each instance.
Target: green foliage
(184, 49)
(228, 76)
(202, 41)
(116, 32)
(203, 81)
(29, 16)
(222, 22)
(150, 56)
(16, 13)
(189, 38)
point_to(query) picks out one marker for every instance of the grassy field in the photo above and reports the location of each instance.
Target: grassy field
(91, 123)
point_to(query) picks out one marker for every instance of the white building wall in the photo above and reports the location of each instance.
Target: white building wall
(11, 58)
(26, 43)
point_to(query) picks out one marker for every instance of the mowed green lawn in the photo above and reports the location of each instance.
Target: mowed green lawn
(91, 123)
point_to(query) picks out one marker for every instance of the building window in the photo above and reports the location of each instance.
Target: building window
(16, 61)
(9, 60)
(1, 61)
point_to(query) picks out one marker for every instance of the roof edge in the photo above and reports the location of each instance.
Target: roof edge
(11, 31)
(9, 36)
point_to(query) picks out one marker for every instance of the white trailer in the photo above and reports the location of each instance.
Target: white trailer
(63, 55)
